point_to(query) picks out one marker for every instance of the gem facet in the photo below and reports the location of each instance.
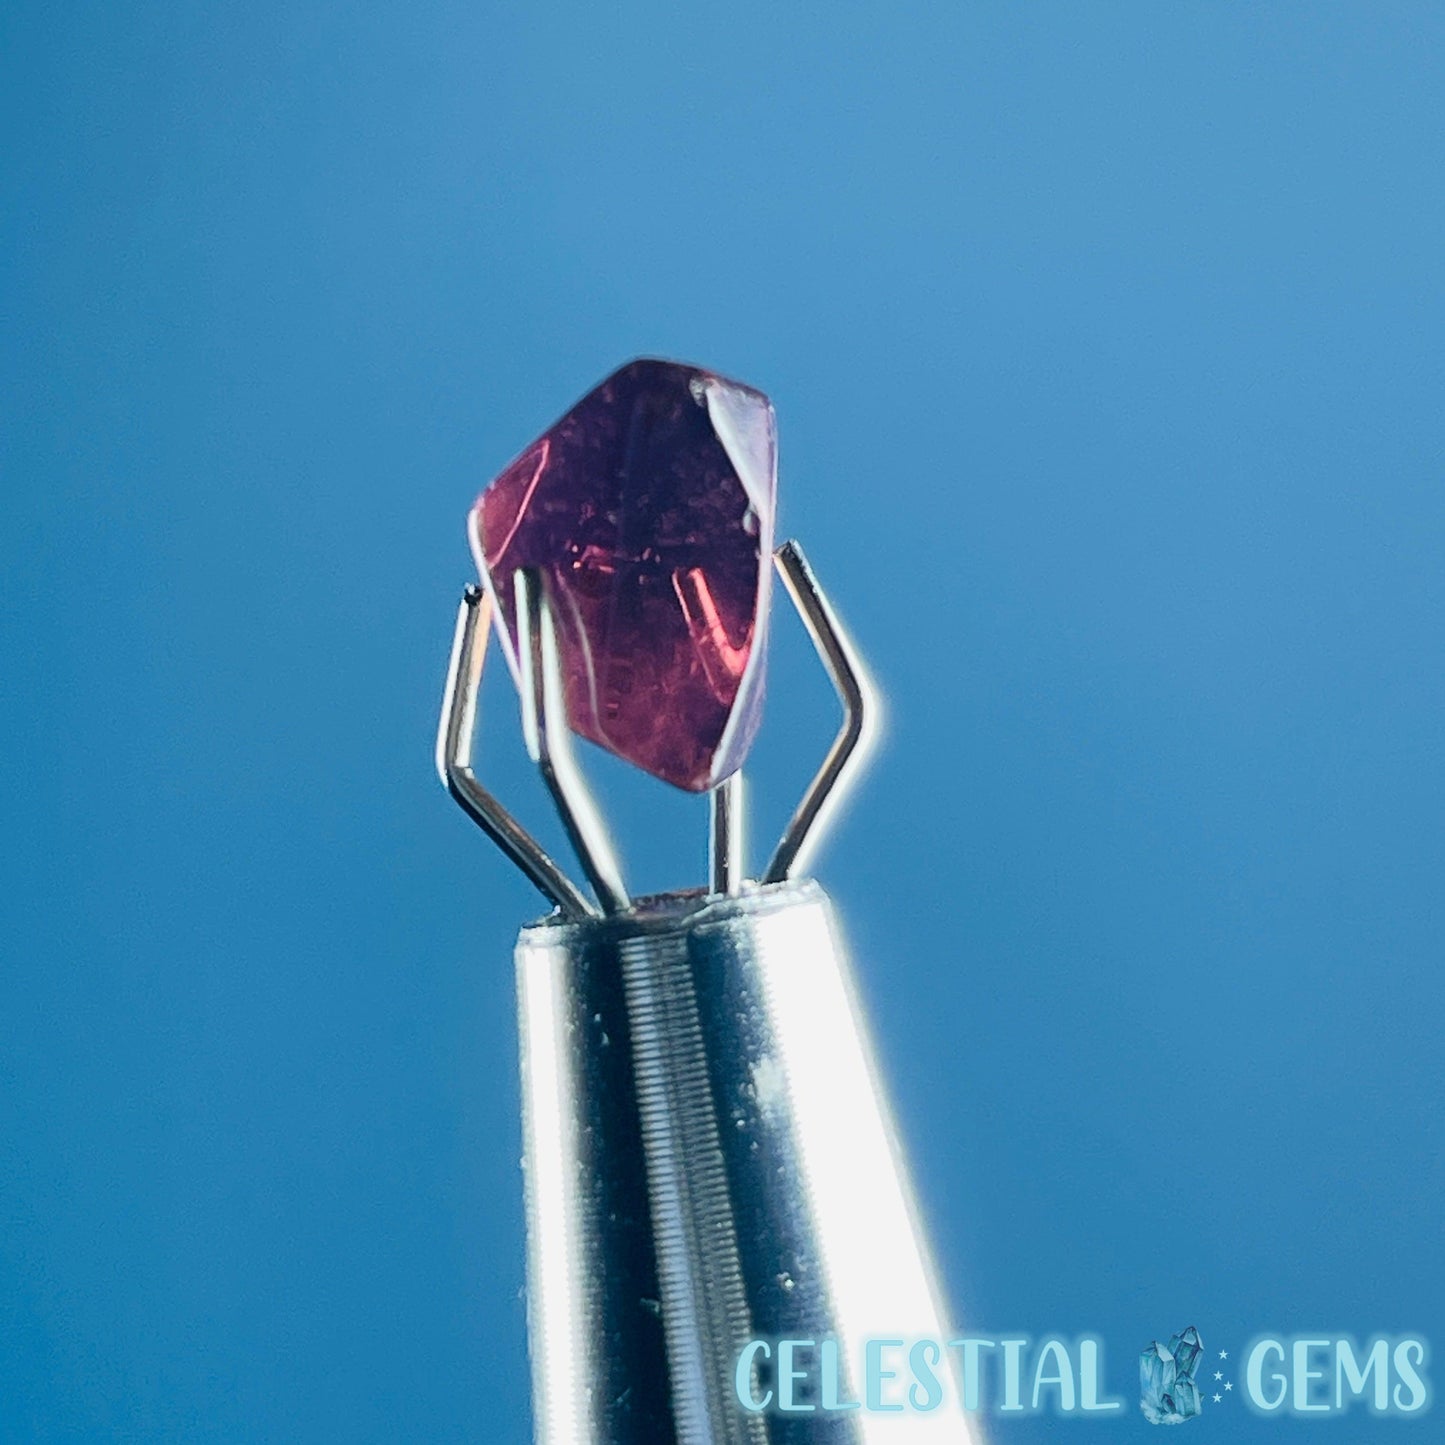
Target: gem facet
(649, 508)
(1167, 1392)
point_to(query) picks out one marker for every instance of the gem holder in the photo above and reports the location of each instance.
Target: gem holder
(549, 745)
(708, 1155)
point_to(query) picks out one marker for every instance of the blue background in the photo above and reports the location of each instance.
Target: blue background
(1107, 343)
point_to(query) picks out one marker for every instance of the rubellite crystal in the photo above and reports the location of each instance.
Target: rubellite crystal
(649, 508)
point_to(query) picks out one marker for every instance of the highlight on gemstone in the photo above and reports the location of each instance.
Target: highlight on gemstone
(649, 507)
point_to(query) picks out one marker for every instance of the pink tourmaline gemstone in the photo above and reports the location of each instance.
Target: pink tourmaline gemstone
(650, 508)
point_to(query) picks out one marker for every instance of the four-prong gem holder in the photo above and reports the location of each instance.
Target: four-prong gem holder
(709, 1159)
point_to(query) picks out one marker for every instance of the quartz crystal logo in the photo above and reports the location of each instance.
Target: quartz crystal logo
(1167, 1392)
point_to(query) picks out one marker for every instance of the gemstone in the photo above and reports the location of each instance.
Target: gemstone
(1167, 1392)
(649, 509)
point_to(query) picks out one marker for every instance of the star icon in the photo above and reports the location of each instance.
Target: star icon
(1224, 1354)
(1229, 1384)
(1218, 1398)
(1219, 1374)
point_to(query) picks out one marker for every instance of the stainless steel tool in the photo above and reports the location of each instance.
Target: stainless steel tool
(710, 1164)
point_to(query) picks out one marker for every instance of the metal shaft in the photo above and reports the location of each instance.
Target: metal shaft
(708, 1161)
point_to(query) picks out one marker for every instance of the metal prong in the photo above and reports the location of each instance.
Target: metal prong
(549, 741)
(808, 825)
(727, 856)
(454, 760)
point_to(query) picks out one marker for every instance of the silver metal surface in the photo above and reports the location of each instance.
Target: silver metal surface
(708, 1161)
(549, 740)
(861, 712)
(454, 760)
(727, 839)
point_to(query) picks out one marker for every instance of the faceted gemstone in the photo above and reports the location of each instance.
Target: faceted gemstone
(649, 507)
(1168, 1394)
